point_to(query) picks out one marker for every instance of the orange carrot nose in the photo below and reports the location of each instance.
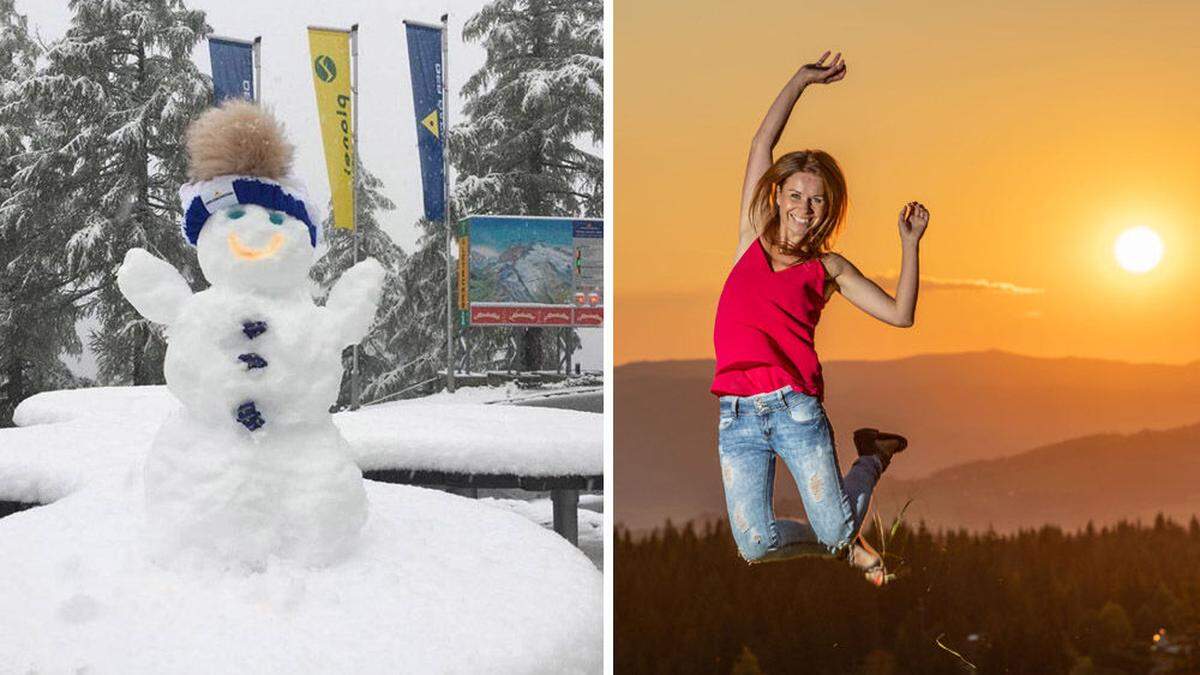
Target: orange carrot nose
(247, 253)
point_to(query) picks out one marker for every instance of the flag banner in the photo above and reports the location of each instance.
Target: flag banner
(531, 271)
(464, 248)
(425, 67)
(232, 69)
(330, 52)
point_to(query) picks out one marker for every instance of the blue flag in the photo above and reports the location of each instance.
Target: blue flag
(425, 66)
(232, 69)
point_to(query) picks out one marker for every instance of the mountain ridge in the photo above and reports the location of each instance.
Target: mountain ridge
(955, 409)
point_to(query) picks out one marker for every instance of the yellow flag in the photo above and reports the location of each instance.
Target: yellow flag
(464, 276)
(330, 65)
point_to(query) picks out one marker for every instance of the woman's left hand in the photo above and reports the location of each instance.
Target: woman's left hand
(914, 218)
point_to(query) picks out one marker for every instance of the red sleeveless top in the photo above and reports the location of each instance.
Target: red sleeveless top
(765, 326)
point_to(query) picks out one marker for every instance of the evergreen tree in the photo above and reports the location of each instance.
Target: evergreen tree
(538, 96)
(113, 100)
(421, 335)
(380, 354)
(37, 313)
(1113, 625)
(539, 93)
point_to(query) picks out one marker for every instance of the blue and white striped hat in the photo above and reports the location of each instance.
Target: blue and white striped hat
(203, 198)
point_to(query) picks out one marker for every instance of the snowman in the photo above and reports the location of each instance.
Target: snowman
(251, 467)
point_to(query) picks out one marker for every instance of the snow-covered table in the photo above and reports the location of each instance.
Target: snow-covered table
(438, 583)
(67, 437)
(467, 445)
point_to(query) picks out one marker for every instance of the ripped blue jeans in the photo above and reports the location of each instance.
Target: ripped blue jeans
(752, 431)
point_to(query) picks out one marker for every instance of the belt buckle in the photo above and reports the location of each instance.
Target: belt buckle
(760, 405)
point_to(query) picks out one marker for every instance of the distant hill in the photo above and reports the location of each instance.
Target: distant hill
(954, 408)
(1103, 478)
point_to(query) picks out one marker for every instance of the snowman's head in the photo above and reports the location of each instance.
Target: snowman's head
(251, 247)
(251, 226)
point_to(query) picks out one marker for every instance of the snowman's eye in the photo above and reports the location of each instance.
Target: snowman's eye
(276, 217)
(234, 214)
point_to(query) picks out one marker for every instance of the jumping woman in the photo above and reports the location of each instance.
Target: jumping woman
(768, 376)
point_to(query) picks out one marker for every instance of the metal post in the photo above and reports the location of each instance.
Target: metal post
(354, 383)
(565, 509)
(445, 131)
(258, 69)
(569, 348)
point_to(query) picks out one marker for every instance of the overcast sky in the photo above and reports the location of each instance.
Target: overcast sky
(387, 127)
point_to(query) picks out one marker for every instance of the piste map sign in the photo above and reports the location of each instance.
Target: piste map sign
(531, 271)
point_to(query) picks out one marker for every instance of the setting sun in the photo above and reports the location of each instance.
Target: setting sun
(1138, 250)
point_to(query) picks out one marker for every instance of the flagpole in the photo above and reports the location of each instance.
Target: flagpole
(258, 69)
(445, 129)
(354, 374)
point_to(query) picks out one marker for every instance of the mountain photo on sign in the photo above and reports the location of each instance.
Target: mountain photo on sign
(509, 266)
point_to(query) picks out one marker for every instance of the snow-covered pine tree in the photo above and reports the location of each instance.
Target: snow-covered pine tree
(421, 330)
(380, 354)
(113, 100)
(532, 114)
(37, 315)
(538, 97)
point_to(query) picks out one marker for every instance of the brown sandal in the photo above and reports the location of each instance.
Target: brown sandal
(862, 557)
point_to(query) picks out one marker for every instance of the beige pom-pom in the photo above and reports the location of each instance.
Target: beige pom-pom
(239, 137)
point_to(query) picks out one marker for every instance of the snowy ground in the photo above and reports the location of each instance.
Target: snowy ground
(439, 583)
(509, 393)
(591, 520)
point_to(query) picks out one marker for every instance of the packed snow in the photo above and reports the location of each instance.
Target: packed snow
(436, 583)
(541, 511)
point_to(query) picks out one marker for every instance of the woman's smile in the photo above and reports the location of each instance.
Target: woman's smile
(802, 199)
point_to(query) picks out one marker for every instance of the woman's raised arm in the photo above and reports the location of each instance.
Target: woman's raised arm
(763, 146)
(867, 295)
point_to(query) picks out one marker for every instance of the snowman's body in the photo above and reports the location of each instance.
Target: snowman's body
(252, 466)
(290, 334)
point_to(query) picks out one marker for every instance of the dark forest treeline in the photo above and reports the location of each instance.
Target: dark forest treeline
(1039, 601)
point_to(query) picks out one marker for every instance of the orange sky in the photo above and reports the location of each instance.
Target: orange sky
(1034, 135)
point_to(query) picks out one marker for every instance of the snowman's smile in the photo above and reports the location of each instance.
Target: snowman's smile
(250, 253)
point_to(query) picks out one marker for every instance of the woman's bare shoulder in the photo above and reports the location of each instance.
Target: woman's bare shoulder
(744, 243)
(835, 263)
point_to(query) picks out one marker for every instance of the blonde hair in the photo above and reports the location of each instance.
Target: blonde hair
(764, 205)
(238, 138)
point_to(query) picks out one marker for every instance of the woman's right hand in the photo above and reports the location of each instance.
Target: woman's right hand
(914, 218)
(821, 72)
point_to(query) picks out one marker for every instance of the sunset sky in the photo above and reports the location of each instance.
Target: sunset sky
(1034, 134)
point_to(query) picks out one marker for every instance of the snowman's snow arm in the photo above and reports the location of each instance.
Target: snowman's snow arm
(354, 299)
(155, 288)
